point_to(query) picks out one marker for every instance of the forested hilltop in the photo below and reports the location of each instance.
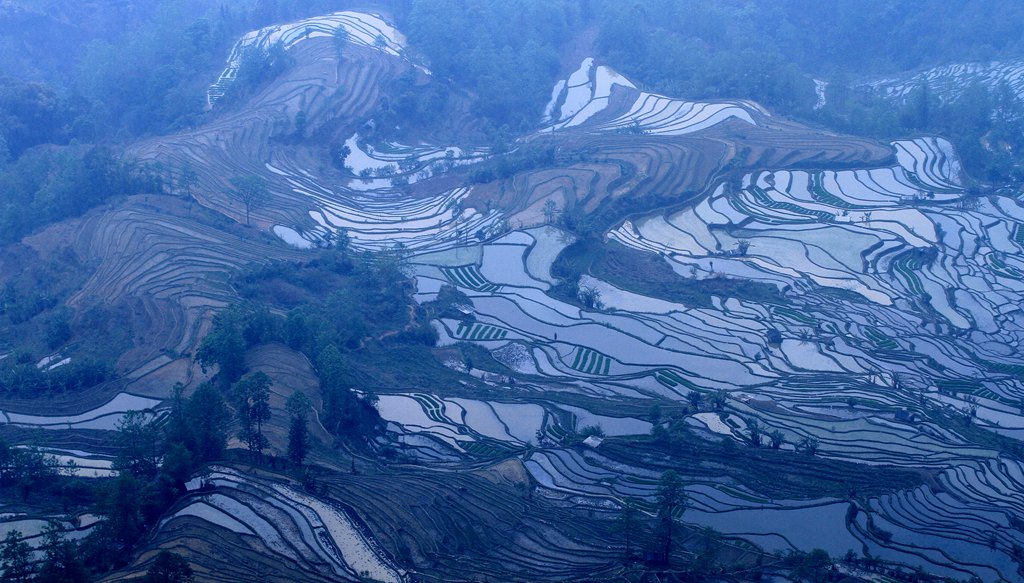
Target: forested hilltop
(350, 290)
(127, 69)
(131, 68)
(768, 52)
(140, 67)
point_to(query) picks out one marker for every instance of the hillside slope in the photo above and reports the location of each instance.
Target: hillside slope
(829, 324)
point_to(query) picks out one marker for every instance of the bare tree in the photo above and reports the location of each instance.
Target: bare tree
(341, 40)
(187, 179)
(550, 210)
(252, 191)
(591, 297)
(808, 445)
(757, 431)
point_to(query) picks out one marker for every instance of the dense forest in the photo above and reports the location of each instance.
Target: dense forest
(146, 70)
(764, 51)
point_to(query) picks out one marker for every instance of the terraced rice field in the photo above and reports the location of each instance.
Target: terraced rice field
(458, 425)
(416, 162)
(106, 416)
(307, 534)
(587, 95)
(893, 287)
(306, 207)
(949, 81)
(32, 528)
(285, 533)
(367, 30)
(65, 444)
(926, 300)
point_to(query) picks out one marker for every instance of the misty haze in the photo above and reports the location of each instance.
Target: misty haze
(512, 290)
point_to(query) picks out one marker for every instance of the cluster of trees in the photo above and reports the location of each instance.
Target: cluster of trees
(767, 51)
(764, 51)
(25, 378)
(986, 124)
(338, 297)
(536, 154)
(34, 323)
(336, 303)
(154, 461)
(411, 106)
(345, 412)
(62, 563)
(50, 184)
(250, 396)
(639, 272)
(506, 51)
(257, 66)
(657, 542)
(141, 67)
(33, 113)
(29, 471)
(701, 50)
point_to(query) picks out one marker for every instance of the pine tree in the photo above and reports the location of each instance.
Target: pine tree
(62, 562)
(16, 559)
(629, 524)
(298, 432)
(671, 500)
(138, 439)
(207, 423)
(253, 401)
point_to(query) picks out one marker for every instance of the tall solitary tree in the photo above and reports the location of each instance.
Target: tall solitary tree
(207, 423)
(630, 525)
(332, 373)
(138, 441)
(550, 210)
(298, 432)
(253, 401)
(301, 123)
(187, 179)
(671, 501)
(757, 432)
(125, 521)
(341, 39)
(225, 347)
(252, 191)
